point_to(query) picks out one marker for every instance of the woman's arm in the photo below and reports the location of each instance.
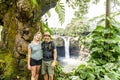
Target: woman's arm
(29, 53)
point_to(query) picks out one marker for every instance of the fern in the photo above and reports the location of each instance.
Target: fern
(60, 9)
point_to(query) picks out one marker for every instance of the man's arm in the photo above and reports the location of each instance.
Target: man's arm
(55, 55)
(54, 51)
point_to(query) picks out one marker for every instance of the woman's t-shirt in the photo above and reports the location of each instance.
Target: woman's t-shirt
(36, 51)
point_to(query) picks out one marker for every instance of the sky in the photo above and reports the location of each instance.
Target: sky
(53, 21)
(94, 10)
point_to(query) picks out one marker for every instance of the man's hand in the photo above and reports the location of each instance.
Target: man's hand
(53, 64)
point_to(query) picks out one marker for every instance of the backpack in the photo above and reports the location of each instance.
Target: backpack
(50, 46)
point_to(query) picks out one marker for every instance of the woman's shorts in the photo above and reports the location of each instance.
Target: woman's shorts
(34, 62)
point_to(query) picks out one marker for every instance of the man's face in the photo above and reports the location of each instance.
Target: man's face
(47, 37)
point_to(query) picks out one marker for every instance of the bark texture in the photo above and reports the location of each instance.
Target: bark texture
(20, 19)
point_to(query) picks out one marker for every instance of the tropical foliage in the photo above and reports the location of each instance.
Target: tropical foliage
(91, 71)
(105, 44)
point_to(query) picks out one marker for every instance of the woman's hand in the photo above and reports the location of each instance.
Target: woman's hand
(29, 67)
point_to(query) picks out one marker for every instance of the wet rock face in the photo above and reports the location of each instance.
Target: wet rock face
(59, 41)
(74, 43)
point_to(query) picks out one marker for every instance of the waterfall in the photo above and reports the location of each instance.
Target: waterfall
(69, 62)
(67, 44)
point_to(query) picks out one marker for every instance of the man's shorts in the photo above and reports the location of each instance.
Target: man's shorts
(47, 68)
(34, 62)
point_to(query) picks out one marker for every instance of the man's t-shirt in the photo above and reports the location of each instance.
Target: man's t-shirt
(36, 51)
(48, 50)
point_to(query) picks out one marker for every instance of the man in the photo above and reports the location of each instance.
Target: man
(49, 57)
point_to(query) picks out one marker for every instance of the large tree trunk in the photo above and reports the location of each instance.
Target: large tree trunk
(20, 22)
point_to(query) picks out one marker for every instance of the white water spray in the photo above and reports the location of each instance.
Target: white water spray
(67, 44)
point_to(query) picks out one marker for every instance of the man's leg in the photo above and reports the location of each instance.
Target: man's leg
(50, 71)
(45, 76)
(50, 77)
(44, 70)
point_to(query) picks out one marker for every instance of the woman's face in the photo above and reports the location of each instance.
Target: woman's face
(38, 37)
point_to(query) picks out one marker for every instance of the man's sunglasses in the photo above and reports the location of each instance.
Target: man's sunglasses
(47, 35)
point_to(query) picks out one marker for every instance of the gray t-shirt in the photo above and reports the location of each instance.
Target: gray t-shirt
(36, 51)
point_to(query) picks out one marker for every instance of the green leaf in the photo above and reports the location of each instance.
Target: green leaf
(99, 28)
(110, 41)
(34, 2)
(83, 75)
(47, 28)
(106, 78)
(90, 76)
(60, 11)
(113, 75)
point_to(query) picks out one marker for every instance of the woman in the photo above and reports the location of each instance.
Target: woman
(35, 56)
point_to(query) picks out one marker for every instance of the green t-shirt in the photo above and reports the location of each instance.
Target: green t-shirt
(36, 51)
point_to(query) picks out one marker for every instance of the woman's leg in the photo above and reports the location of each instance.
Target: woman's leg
(33, 71)
(37, 72)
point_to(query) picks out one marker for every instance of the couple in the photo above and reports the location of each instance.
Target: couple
(42, 53)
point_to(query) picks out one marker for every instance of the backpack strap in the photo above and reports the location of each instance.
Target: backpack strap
(43, 44)
(50, 46)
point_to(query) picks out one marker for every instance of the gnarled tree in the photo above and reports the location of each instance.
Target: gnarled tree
(20, 20)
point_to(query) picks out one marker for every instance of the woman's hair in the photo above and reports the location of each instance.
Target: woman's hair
(36, 34)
